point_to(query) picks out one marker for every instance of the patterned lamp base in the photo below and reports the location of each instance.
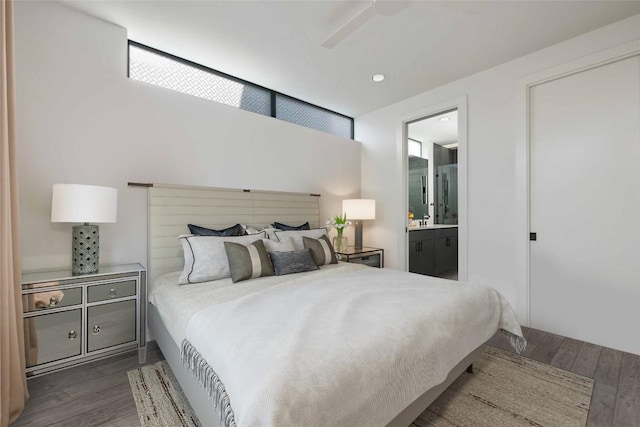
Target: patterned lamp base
(85, 249)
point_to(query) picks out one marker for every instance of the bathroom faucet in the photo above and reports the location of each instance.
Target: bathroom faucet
(425, 217)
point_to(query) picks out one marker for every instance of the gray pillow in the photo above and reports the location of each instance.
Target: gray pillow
(198, 230)
(285, 227)
(321, 250)
(285, 245)
(292, 262)
(248, 262)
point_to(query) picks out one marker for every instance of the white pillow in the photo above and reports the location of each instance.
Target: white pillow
(269, 229)
(297, 235)
(205, 257)
(286, 245)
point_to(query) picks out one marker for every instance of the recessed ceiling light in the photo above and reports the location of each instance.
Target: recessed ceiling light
(377, 77)
(445, 119)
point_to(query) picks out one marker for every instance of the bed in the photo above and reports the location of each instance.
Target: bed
(342, 345)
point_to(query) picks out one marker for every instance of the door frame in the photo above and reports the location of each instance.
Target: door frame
(522, 159)
(459, 103)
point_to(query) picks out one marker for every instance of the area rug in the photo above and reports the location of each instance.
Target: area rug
(505, 390)
(159, 399)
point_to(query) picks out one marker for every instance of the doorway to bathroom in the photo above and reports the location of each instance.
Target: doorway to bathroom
(432, 186)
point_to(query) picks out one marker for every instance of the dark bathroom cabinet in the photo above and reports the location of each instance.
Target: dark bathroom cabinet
(433, 251)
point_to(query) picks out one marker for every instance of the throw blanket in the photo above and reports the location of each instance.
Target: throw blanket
(354, 349)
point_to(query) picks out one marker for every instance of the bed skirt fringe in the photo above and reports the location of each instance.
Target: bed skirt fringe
(207, 377)
(517, 342)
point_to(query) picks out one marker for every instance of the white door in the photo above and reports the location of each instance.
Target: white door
(585, 205)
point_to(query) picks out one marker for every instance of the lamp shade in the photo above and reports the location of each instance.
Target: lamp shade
(359, 209)
(83, 203)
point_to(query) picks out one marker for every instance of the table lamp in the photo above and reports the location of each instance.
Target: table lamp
(85, 204)
(358, 210)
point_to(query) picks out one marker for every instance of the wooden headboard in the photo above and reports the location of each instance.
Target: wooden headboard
(171, 207)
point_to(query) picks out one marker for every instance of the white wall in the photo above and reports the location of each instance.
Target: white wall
(81, 120)
(494, 143)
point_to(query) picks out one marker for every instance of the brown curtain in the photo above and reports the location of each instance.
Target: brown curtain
(13, 385)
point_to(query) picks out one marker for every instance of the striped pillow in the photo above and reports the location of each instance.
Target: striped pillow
(248, 262)
(321, 250)
(205, 258)
(297, 235)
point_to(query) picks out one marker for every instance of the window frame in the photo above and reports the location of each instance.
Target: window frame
(273, 93)
(419, 142)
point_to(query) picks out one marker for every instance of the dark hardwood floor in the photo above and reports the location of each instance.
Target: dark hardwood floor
(95, 394)
(98, 394)
(616, 392)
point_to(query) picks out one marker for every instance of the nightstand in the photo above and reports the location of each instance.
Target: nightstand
(373, 257)
(72, 319)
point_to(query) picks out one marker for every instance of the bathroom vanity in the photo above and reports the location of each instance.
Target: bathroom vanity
(433, 249)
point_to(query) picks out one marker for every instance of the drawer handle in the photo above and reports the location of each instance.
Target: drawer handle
(53, 301)
(95, 330)
(112, 292)
(73, 335)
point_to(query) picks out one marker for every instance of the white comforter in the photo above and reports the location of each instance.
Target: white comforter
(347, 349)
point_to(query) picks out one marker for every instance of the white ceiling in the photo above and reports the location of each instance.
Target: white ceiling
(426, 44)
(435, 130)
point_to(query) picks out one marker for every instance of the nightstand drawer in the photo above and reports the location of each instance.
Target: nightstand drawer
(111, 291)
(370, 260)
(52, 299)
(52, 336)
(111, 324)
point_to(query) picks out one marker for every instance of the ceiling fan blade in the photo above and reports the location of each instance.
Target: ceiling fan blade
(348, 28)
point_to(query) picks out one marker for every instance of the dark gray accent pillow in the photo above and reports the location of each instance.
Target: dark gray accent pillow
(292, 262)
(286, 227)
(248, 262)
(321, 250)
(236, 230)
